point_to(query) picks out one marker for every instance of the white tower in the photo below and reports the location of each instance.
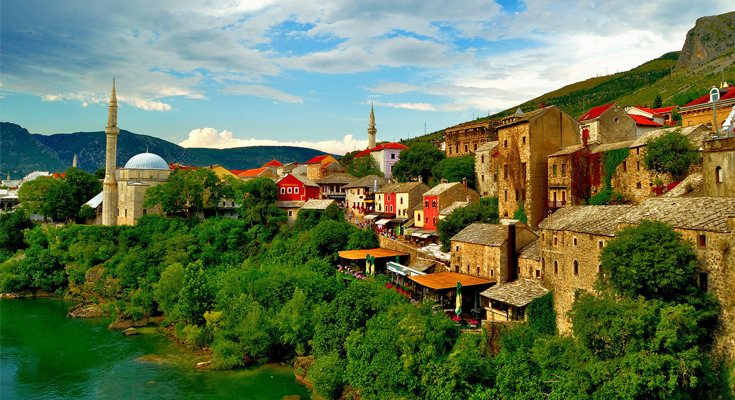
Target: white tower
(74, 163)
(109, 188)
(371, 129)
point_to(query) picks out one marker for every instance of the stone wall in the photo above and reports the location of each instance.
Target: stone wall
(527, 268)
(487, 262)
(615, 126)
(719, 153)
(486, 171)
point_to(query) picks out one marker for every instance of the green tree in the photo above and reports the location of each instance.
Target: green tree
(83, 185)
(99, 174)
(455, 169)
(364, 166)
(12, 225)
(658, 102)
(520, 213)
(671, 153)
(486, 210)
(196, 294)
(87, 212)
(258, 208)
(417, 160)
(347, 159)
(189, 190)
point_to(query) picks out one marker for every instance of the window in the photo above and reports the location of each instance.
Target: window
(283, 190)
(599, 244)
(482, 159)
(426, 203)
(393, 156)
(433, 204)
(718, 175)
(703, 281)
(563, 169)
(391, 208)
(538, 274)
(450, 149)
(465, 148)
(505, 143)
(574, 241)
(543, 264)
(456, 148)
(576, 267)
(401, 200)
(482, 178)
(296, 190)
(637, 150)
(126, 212)
(434, 220)
(456, 248)
(556, 268)
(506, 195)
(468, 269)
(556, 241)
(387, 197)
(617, 120)
(492, 272)
(523, 140)
(145, 211)
(554, 169)
(419, 217)
(475, 146)
(505, 171)
(290, 213)
(638, 185)
(702, 241)
(637, 165)
(288, 190)
(478, 271)
(625, 166)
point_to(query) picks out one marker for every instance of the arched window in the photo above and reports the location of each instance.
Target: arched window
(576, 267)
(482, 159)
(718, 175)
(556, 268)
(478, 270)
(434, 220)
(468, 269)
(543, 264)
(426, 203)
(433, 203)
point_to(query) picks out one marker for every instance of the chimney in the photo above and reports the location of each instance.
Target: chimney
(466, 192)
(731, 222)
(543, 105)
(512, 254)
(421, 179)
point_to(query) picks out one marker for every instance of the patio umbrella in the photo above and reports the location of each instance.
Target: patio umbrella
(458, 310)
(367, 263)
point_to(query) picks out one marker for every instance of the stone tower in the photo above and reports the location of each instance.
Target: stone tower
(109, 188)
(74, 163)
(371, 129)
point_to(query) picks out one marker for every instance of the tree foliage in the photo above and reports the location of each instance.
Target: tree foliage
(417, 160)
(671, 153)
(188, 191)
(486, 210)
(455, 169)
(364, 166)
(12, 225)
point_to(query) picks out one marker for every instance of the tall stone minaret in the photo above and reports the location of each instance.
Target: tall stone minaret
(74, 163)
(109, 188)
(371, 129)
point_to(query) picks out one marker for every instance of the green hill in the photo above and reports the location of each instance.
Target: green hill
(22, 152)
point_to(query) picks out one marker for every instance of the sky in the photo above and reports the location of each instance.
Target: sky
(270, 72)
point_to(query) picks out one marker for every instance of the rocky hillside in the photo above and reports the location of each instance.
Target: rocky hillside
(711, 38)
(22, 152)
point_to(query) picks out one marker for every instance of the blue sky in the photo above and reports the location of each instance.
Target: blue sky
(228, 74)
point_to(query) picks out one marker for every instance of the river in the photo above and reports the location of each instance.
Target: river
(46, 355)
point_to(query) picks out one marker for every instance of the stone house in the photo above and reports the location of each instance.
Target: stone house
(274, 165)
(700, 110)
(332, 186)
(529, 260)
(663, 115)
(314, 166)
(441, 196)
(331, 168)
(573, 237)
(719, 166)
(508, 301)
(399, 198)
(524, 144)
(486, 169)
(567, 176)
(606, 124)
(465, 139)
(571, 240)
(360, 194)
(257, 173)
(291, 207)
(490, 251)
(643, 125)
(297, 188)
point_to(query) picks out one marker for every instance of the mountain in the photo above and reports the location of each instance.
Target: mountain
(22, 152)
(706, 59)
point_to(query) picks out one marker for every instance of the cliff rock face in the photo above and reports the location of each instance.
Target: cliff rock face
(710, 38)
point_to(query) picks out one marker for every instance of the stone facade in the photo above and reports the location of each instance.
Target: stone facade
(314, 166)
(719, 167)
(465, 139)
(524, 145)
(563, 166)
(109, 186)
(607, 124)
(132, 185)
(486, 169)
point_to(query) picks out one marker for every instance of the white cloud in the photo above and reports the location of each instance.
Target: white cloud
(211, 138)
(262, 91)
(407, 106)
(51, 97)
(148, 105)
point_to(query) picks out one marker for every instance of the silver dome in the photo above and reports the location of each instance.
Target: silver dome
(147, 161)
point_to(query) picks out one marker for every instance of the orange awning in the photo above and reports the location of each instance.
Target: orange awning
(377, 253)
(448, 280)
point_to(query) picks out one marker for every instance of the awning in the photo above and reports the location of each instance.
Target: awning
(425, 235)
(388, 215)
(416, 234)
(448, 280)
(372, 216)
(376, 252)
(398, 220)
(382, 222)
(402, 269)
(409, 224)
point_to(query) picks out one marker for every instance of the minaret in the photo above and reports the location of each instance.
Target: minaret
(109, 188)
(371, 129)
(74, 163)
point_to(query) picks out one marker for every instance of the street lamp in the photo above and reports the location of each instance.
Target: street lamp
(714, 95)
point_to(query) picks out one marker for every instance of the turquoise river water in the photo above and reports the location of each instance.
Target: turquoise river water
(46, 355)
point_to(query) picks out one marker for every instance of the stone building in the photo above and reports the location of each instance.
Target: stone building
(508, 301)
(400, 198)
(490, 251)
(524, 143)
(606, 124)
(314, 166)
(332, 187)
(719, 166)
(139, 173)
(263, 172)
(464, 139)
(360, 194)
(567, 176)
(486, 169)
(529, 260)
(570, 244)
(109, 186)
(573, 237)
(700, 110)
(442, 196)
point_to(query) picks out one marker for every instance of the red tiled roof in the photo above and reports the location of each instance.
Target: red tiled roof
(328, 164)
(59, 175)
(273, 163)
(596, 112)
(663, 110)
(729, 94)
(362, 153)
(237, 171)
(316, 159)
(252, 172)
(394, 146)
(640, 120)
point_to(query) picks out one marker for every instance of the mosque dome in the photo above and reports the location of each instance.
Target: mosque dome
(147, 161)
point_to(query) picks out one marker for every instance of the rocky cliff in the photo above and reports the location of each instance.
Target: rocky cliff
(711, 37)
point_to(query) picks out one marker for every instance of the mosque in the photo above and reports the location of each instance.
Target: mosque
(123, 189)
